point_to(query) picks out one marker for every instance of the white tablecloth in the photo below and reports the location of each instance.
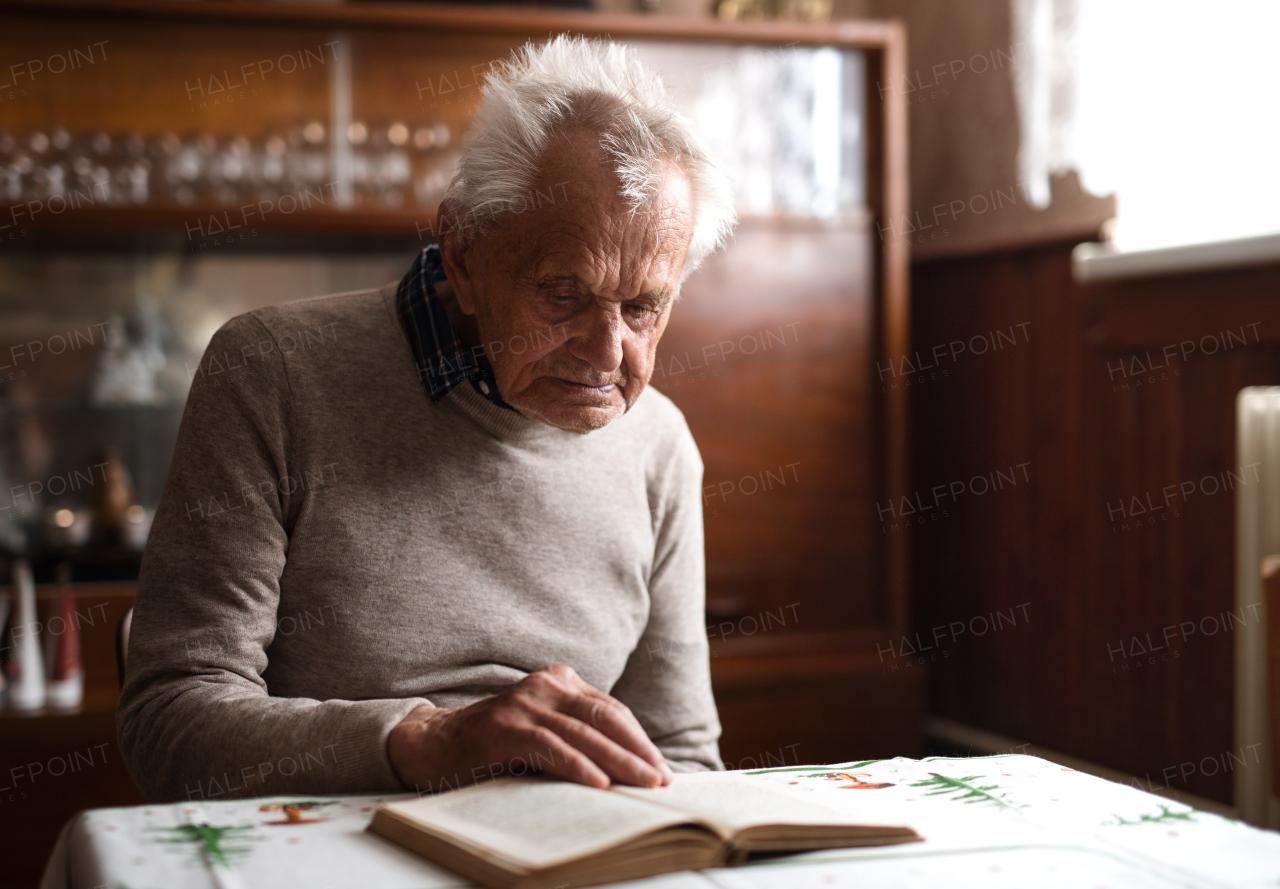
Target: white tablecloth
(996, 821)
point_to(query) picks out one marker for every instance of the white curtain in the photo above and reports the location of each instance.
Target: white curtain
(1172, 106)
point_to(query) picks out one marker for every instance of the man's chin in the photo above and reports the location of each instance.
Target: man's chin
(573, 417)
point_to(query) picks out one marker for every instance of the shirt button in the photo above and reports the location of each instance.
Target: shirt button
(484, 387)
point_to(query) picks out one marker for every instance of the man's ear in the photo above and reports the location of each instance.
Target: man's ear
(455, 253)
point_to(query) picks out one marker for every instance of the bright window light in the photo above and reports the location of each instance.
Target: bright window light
(1171, 106)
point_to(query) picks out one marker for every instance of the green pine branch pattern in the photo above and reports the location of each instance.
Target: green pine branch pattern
(216, 842)
(817, 771)
(1165, 816)
(972, 792)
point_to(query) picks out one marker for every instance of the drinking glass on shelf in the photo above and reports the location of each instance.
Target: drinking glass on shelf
(185, 170)
(163, 151)
(58, 164)
(47, 181)
(100, 144)
(306, 162)
(130, 169)
(229, 171)
(392, 163)
(10, 178)
(133, 182)
(270, 167)
(36, 176)
(81, 178)
(392, 176)
(10, 183)
(387, 169)
(18, 182)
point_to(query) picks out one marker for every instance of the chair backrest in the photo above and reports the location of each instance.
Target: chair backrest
(122, 644)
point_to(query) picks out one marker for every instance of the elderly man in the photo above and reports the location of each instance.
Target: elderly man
(453, 537)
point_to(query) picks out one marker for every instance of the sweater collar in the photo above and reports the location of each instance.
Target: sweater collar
(504, 423)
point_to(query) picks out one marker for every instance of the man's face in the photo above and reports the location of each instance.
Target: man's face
(572, 294)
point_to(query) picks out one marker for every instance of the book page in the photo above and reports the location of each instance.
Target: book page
(537, 822)
(734, 802)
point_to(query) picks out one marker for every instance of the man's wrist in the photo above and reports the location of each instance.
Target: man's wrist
(409, 742)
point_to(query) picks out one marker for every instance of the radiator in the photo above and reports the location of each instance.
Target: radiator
(1257, 536)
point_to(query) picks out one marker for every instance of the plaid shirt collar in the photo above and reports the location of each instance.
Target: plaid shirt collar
(442, 360)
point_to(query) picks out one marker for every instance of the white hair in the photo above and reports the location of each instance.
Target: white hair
(571, 82)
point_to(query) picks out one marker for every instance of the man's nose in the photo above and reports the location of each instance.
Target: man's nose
(598, 337)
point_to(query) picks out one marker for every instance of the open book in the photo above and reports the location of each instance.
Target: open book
(529, 833)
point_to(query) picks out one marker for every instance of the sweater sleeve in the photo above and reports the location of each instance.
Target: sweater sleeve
(196, 720)
(667, 680)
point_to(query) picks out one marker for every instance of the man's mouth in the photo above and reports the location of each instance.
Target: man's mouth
(587, 388)
(588, 393)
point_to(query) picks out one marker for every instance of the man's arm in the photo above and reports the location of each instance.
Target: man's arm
(667, 680)
(195, 719)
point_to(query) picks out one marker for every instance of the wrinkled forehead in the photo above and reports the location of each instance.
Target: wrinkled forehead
(578, 222)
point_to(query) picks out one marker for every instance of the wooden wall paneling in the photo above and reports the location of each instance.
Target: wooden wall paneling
(1169, 310)
(1058, 438)
(1127, 573)
(816, 709)
(961, 431)
(1091, 675)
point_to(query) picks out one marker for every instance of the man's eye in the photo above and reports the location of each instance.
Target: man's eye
(563, 297)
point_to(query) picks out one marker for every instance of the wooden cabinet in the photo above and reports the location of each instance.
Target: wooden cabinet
(772, 353)
(52, 764)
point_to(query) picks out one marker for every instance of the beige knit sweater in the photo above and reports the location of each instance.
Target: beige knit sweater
(333, 550)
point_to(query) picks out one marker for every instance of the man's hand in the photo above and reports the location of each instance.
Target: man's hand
(550, 721)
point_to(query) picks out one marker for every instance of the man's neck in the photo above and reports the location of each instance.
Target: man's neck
(466, 328)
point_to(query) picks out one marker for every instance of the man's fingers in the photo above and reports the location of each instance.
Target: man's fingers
(615, 720)
(617, 762)
(597, 725)
(561, 688)
(565, 761)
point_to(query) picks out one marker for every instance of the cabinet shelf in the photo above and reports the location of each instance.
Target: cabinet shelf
(99, 698)
(468, 20)
(205, 225)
